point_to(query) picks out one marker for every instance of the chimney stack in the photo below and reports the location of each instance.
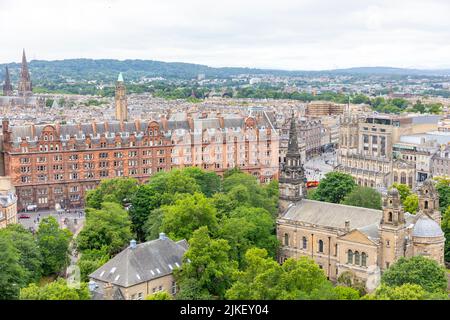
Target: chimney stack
(162, 236)
(133, 244)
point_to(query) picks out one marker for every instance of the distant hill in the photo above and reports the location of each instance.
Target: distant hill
(107, 69)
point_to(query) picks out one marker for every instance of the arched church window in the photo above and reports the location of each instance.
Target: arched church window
(320, 246)
(357, 258)
(286, 239)
(350, 256)
(363, 259)
(305, 243)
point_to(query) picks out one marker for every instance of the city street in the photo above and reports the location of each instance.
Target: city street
(317, 167)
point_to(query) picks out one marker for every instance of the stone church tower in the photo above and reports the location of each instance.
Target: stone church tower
(393, 240)
(7, 87)
(121, 100)
(429, 201)
(292, 176)
(25, 86)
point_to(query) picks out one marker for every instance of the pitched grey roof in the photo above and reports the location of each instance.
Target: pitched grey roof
(332, 215)
(148, 260)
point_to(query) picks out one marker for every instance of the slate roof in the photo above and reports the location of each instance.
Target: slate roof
(147, 261)
(332, 215)
(426, 227)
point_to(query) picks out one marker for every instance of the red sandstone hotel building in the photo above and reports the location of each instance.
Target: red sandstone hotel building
(55, 164)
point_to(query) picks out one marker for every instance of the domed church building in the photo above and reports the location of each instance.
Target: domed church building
(344, 238)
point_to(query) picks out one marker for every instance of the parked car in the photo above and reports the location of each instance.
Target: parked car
(31, 207)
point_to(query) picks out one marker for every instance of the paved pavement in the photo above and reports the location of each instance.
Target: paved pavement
(317, 167)
(73, 217)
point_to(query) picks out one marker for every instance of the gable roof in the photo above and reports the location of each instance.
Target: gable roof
(358, 236)
(146, 261)
(331, 214)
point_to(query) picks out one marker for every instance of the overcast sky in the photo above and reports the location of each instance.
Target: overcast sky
(285, 34)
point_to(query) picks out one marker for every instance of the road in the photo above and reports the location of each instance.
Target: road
(317, 167)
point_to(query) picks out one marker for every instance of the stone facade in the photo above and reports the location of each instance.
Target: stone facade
(7, 87)
(344, 238)
(8, 202)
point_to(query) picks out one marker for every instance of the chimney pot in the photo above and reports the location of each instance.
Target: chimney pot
(133, 244)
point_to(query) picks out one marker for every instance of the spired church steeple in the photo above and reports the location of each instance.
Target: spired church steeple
(25, 86)
(7, 87)
(292, 176)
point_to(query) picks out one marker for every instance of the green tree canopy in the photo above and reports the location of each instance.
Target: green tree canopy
(56, 290)
(417, 270)
(334, 187)
(91, 260)
(208, 262)
(11, 272)
(189, 213)
(403, 189)
(162, 295)
(411, 203)
(365, 197)
(445, 224)
(54, 246)
(443, 188)
(26, 245)
(263, 278)
(119, 190)
(249, 227)
(109, 226)
(407, 291)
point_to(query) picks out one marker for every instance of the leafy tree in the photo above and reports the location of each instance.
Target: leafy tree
(208, 181)
(334, 187)
(191, 290)
(145, 200)
(162, 295)
(407, 291)
(443, 188)
(224, 204)
(411, 203)
(208, 262)
(445, 224)
(416, 270)
(91, 260)
(30, 254)
(108, 227)
(11, 272)
(119, 190)
(403, 189)
(56, 290)
(345, 293)
(249, 227)
(349, 279)
(365, 197)
(263, 278)
(152, 226)
(188, 214)
(54, 245)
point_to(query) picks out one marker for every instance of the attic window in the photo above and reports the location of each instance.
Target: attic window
(151, 271)
(101, 274)
(157, 270)
(113, 270)
(176, 263)
(117, 278)
(170, 267)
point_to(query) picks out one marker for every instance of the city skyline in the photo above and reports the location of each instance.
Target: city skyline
(290, 36)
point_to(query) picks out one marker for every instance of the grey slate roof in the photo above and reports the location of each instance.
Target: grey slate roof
(148, 260)
(332, 215)
(427, 228)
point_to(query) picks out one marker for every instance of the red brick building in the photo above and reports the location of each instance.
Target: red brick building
(57, 164)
